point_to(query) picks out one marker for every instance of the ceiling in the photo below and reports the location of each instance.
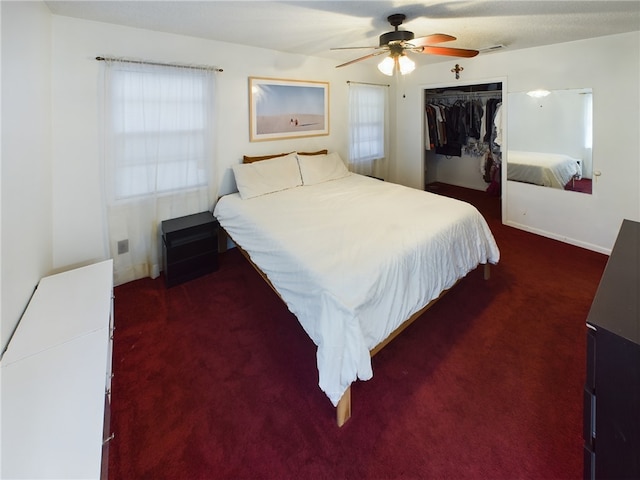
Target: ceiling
(314, 27)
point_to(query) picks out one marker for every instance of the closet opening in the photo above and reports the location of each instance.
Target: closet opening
(462, 144)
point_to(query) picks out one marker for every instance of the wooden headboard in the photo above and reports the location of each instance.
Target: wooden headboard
(248, 159)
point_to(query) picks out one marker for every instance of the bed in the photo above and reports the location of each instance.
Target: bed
(354, 258)
(546, 169)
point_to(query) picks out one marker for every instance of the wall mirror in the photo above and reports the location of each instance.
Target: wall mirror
(550, 135)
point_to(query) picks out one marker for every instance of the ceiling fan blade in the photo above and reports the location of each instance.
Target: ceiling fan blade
(451, 52)
(351, 48)
(374, 54)
(430, 39)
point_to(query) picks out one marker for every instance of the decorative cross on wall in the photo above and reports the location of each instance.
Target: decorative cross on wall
(457, 69)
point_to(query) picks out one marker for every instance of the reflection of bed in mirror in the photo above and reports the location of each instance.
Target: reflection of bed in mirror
(546, 169)
(560, 122)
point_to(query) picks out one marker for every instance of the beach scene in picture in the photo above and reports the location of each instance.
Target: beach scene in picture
(288, 109)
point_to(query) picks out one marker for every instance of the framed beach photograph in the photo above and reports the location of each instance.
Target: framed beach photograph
(287, 108)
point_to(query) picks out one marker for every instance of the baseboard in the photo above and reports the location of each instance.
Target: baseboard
(560, 238)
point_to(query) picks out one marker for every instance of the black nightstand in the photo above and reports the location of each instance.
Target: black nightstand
(189, 247)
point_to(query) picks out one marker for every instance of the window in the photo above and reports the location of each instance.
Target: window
(160, 127)
(367, 126)
(158, 155)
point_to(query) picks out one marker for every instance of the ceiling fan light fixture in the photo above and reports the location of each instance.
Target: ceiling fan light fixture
(406, 65)
(402, 63)
(387, 66)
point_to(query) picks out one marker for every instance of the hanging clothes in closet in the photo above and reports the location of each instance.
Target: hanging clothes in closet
(446, 126)
(464, 124)
(450, 126)
(492, 162)
(489, 124)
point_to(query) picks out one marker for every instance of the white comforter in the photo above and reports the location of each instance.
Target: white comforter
(546, 169)
(355, 257)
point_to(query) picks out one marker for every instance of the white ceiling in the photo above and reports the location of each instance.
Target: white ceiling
(314, 27)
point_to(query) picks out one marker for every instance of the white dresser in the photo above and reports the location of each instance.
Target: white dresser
(56, 379)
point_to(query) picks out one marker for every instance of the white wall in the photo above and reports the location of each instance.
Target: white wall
(611, 67)
(77, 229)
(463, 171)
(26, 157)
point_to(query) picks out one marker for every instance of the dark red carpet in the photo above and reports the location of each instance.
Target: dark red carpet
(584, 185)
(215, 379)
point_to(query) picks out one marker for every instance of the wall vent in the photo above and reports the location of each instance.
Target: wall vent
(492, 48)
(123, 246)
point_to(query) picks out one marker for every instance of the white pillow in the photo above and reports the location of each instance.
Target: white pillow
(321, 168)
(267, 176)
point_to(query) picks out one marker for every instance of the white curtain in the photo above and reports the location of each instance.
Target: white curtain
(158, 157)
(368, 106)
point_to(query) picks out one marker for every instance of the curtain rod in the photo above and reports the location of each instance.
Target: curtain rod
(365, 83)
(141, 62)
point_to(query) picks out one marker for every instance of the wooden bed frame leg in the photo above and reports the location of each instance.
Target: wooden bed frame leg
(487, 271)
(343, 409)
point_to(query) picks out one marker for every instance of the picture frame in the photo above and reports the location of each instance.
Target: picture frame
(281, 108)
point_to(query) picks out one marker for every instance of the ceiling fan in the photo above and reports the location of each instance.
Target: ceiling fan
(397, 43)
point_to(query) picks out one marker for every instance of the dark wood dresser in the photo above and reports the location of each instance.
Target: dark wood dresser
(612, 388)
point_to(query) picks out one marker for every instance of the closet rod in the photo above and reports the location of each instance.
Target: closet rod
(141, 62)
(365, 83)
(491, 94)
